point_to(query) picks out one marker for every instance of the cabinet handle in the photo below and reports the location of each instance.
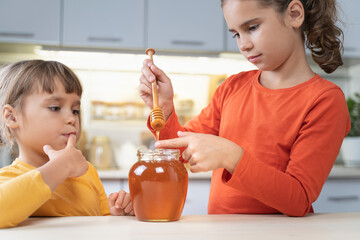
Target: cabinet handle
(17, 35)
(104, 39)
(184, 42)
(343, 198)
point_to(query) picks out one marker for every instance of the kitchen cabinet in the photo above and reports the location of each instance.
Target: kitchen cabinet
(197, 198)
(104, 24)
(185, 25)
(33, 22)
(349, 15)
(339, 195)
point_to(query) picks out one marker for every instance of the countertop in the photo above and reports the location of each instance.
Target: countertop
(313, 226)
(338, 171)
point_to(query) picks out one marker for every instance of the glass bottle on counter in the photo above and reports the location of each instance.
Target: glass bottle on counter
(158, 185)
(101, 153)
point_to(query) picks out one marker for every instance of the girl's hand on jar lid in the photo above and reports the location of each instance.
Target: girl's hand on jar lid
(205, 152)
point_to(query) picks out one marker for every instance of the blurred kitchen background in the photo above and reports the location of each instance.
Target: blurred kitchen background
(104, 42)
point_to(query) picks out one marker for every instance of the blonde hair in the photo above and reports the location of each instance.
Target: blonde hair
(323, 37)
(20, 79)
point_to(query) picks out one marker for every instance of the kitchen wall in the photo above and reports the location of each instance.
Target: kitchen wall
(354, 83)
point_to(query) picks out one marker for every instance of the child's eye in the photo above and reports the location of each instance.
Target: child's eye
(236, 35)
(253, 27)
(54, 108)
(76, 112)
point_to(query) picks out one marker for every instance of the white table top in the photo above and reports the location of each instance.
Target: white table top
(224, 227)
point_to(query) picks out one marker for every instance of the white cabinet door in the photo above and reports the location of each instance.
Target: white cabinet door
(35, 21)
(349, 14)
(339, 195)
(185, 25)
(197, 198)
(104, 23)
(111, 186)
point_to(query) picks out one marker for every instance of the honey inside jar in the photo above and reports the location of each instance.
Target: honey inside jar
(158, 186)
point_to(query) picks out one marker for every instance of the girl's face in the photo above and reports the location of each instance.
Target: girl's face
(264, 37)
(48, 119)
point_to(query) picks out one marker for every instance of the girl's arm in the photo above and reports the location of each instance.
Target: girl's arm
(22, 195)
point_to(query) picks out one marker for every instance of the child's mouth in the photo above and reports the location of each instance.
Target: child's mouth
(254, 58)
(67, 135)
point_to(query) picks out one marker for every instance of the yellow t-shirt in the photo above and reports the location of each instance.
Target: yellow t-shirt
(23, 193)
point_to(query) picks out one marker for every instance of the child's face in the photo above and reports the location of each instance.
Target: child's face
(48, 119)
(263, 37)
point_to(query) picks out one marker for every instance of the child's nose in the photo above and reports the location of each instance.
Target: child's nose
(71, 118)
(244, 44)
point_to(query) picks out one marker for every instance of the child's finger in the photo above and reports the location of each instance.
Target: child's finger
(184, 134)
(128, 209)
(120, 199)
(172, 143)
(48, 149)
(71, 141)
(112, 199)
(126, 201)
(159, 74)
(132, 213)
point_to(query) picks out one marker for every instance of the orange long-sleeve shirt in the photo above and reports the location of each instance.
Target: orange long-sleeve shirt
(291, 138)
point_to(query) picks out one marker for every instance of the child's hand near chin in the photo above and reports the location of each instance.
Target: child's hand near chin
(120, 204)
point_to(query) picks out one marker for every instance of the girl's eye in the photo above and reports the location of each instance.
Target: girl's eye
(76, 112)
(253, 27)
(236, 35)
(54, 109)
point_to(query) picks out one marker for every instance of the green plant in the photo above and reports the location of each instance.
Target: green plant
(353, 104)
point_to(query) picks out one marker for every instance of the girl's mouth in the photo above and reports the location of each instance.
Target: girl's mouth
(67, 135)
(254, 58)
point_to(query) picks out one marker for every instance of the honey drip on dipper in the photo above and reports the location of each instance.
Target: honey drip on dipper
(157, 115)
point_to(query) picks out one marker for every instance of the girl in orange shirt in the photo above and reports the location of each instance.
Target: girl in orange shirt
(270, 136)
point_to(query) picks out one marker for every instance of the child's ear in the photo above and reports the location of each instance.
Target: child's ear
(9, 116)
(296, 13)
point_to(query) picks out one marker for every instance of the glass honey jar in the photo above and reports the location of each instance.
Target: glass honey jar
(158, 184)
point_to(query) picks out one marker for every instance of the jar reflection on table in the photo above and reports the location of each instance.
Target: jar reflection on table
(158, 185)
(101, 153)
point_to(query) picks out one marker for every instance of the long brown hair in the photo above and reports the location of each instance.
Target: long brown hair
(323, 37)
(20, 79)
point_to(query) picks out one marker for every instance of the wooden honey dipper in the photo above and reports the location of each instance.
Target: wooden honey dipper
(157, 114)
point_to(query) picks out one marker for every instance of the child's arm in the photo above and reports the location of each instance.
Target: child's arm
(20, 196)
(120, 204)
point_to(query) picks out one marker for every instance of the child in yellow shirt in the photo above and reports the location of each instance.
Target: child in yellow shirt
(40, 102)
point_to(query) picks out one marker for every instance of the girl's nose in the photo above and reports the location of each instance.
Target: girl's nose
(244, 44)
(71, 118)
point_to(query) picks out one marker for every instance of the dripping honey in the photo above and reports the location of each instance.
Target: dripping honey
(157, 135)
